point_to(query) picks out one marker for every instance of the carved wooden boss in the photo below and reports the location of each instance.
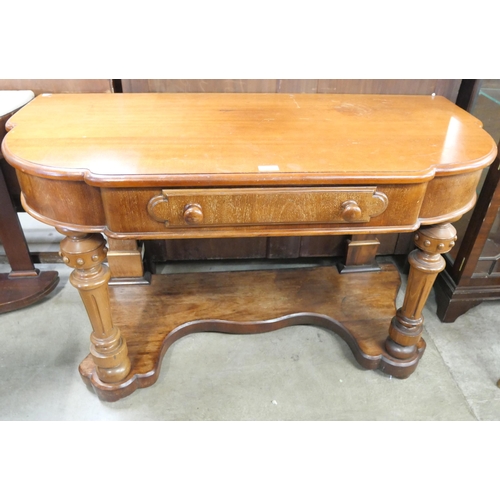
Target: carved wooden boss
(136, 166)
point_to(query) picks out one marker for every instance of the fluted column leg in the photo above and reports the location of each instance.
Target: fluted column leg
(85, 253)
(425, 264)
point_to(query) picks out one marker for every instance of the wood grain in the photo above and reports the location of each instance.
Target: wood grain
(149, 209)
(215, 248)
(86, 253)
(152, 318)
(447, 88)
(425, 264)
(361, 253)
(70, 196)
(199, 85)
(289, 247)
(153, 139)
(458, 288)
(125, 259)
(268, 206)
(95, 163)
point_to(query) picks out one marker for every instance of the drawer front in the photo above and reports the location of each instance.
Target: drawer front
(251, 206)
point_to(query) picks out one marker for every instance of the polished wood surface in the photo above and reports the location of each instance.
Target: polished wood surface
(286, 247)
(252, 139)
(361, 254)
(425, 264)
(128, 148)
(225, 212)
(291, 246)
(125, 262)
(152, 318)
(42, 86)
(459, 288)
(139, 167)
(472, 273)
(85, 253)
(222, 207)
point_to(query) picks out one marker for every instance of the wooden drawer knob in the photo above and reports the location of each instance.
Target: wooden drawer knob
(193, 214)
(351, 211)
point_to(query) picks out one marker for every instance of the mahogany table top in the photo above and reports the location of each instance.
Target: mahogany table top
(244, 139)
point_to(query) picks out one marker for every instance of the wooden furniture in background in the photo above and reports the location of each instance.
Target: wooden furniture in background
(174, 166)
(472, 273)
(37, 87)
(24, 285)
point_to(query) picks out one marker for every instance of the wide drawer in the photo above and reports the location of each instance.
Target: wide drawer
(252, 206)
(260, 211)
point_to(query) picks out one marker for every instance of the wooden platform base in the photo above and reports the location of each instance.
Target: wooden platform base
(358, 307)
(16, 293)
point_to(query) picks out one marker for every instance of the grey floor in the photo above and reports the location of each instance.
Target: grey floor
(297, 373)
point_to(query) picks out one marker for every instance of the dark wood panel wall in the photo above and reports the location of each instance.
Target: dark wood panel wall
(446, 88)
(240, 248)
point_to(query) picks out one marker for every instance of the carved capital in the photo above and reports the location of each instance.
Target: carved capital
(436, 239)
(83, 251)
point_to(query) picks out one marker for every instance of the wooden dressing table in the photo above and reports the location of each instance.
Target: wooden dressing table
(147, 166)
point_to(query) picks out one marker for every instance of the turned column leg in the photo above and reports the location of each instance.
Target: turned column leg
(85, 253)
(425, 264)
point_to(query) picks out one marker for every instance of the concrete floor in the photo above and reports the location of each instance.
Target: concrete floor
(296, 373)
